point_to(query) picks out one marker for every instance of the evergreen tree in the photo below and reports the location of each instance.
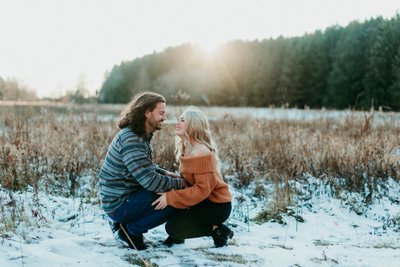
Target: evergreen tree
(379, 75)
(394, 89)
(353, 66)
(113, 89)
(345, 85)
(290, 82)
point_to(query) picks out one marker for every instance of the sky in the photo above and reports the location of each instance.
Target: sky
(51, 46)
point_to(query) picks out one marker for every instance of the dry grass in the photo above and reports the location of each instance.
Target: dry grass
(282, 149)
(52, 149)
(42, 149)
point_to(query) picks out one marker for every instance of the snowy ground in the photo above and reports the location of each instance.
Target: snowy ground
(332, 234)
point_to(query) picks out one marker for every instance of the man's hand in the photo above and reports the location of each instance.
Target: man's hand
(160, 202)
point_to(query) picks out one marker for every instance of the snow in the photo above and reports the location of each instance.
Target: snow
(290, 114)
(73, 232)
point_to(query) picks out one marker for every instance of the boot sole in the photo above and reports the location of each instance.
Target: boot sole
(230, 235)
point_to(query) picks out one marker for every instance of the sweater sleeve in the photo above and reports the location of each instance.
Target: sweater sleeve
(201, 190)
(160, 170)
(143, 170)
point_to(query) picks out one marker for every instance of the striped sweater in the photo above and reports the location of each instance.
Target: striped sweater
(205, 183)
(128, 166)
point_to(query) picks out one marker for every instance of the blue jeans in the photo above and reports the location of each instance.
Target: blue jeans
(138, 214)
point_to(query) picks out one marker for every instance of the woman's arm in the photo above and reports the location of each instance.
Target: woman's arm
(184, 198)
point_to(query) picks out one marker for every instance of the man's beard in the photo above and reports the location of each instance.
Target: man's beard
(156, 125)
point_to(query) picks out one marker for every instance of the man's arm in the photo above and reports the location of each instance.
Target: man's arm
(160, 170)
(143, 169)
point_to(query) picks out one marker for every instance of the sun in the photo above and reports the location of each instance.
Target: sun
(209, 47)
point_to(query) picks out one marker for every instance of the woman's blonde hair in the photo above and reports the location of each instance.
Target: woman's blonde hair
(198, 128)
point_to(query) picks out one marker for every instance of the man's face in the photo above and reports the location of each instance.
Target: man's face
(155, 118)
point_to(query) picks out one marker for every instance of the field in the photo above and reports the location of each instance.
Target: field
(286, 168)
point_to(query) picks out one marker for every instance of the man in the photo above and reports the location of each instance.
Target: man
(129, 180)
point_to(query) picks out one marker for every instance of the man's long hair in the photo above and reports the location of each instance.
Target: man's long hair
(133, 116)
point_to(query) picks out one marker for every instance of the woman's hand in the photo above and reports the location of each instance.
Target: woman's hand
(172, 174)
(160, 202)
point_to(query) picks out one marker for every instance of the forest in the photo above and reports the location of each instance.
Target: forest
(352, 67)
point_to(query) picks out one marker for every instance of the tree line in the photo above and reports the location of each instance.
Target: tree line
(356, 66)
(12, 89)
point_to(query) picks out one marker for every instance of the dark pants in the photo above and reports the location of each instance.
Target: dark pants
(198, 220)
(139, 215)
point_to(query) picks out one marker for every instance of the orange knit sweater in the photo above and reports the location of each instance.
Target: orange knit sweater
(205, 183)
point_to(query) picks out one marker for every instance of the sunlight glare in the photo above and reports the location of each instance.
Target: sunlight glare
(208, 47)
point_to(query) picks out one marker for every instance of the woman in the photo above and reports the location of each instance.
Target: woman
(206, 203)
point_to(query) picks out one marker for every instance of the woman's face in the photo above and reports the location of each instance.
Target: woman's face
(180, 127)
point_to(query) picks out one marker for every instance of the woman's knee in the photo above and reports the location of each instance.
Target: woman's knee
(175, 224)
(171, 228)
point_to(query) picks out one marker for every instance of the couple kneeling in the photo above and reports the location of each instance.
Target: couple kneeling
(137, 195)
